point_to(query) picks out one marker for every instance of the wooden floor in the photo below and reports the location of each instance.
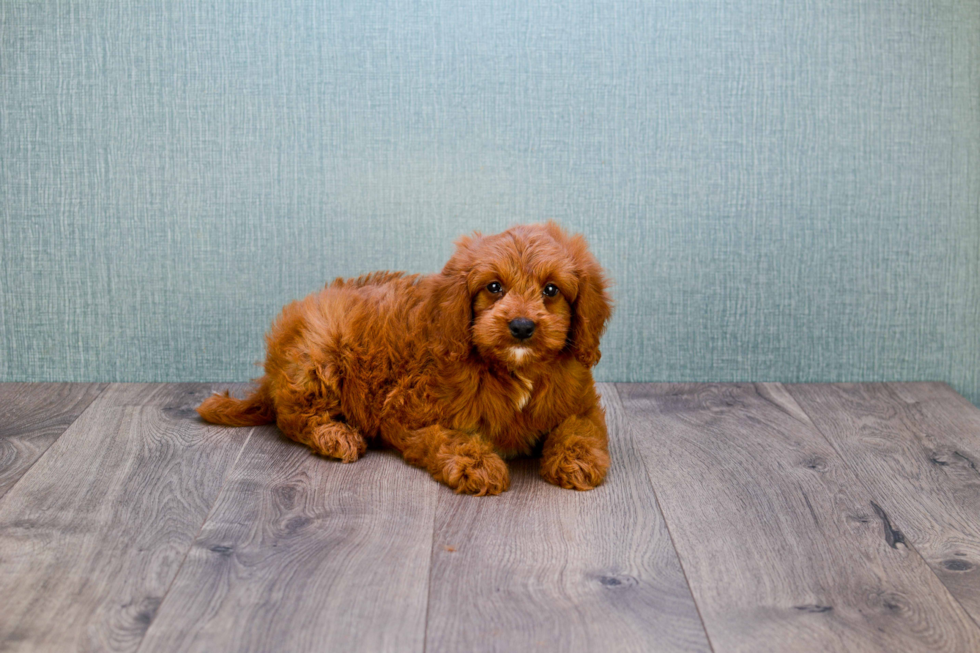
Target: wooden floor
(735, 517)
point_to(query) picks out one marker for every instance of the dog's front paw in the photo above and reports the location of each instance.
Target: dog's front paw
(575, 464)
(471, 469)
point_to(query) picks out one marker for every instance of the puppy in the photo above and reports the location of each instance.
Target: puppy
(488, 359)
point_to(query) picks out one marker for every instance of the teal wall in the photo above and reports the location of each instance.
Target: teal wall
(782, 190)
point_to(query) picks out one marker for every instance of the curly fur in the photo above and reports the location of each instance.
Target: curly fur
(427, 364)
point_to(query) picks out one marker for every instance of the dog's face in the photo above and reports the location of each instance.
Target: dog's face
(526, 295)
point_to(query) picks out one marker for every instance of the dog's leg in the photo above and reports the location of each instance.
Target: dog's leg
(311, 419)
(334, 439)
(575, 454)
(326, 437)
(466, 463)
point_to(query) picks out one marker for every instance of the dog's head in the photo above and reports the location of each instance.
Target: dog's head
(523, 296)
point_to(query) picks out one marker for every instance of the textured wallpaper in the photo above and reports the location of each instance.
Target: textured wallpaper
(782, 190)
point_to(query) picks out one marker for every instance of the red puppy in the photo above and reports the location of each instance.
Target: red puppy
(489, 358)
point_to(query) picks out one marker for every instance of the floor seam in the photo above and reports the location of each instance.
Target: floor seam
(180, 567)
(432, 557)
(673, 544)
(53, 442)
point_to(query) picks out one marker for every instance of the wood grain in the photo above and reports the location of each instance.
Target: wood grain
(93, 534)
(306, 554)
(32, 417)
(783, 548)
(542, 568)
(916, 446)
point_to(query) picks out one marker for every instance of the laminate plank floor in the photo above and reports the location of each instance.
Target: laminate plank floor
(801, 553)
(917, 447)
(735, 517)
(92, 535)
(32, 417)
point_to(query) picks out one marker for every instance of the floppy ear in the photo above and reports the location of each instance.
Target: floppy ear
(592, 306)
(451, 311)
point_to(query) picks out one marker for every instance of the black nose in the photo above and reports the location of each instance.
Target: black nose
(521, 328)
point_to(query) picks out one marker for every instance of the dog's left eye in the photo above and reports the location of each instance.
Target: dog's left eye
(551, 290)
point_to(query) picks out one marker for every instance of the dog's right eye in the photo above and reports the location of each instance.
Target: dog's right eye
(494, 287)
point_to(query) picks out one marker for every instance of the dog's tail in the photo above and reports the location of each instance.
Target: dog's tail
(253, 410)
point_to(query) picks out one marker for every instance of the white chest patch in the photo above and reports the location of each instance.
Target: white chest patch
(524, 392)
(518, 354)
